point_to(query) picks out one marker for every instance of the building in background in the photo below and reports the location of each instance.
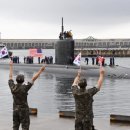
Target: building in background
(89, 46)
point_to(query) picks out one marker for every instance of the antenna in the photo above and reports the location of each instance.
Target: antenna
(62, 27)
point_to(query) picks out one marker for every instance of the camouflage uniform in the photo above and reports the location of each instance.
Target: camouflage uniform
(84, 109)
(20, 104)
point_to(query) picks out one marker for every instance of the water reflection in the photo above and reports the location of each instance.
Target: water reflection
(64, 96)
(52, 93)
(113, 98)
(49, 76)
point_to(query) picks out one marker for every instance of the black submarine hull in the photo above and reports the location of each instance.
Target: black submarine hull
(71, 70)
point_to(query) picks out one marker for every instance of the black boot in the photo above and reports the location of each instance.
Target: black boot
(93, 128)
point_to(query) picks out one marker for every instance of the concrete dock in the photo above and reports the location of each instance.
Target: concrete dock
(42, 122)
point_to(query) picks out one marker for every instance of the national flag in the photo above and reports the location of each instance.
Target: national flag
(77, 60)
(35, 52)
(3, 52)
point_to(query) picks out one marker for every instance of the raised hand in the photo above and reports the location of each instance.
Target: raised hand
(43, 68)
(11, 63)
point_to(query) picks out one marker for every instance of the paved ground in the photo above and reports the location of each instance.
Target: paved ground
(56, 123)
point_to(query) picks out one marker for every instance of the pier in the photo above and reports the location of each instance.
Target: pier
(53, 122)
(89, 46)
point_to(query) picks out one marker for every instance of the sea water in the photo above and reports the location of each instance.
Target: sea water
(52, 93)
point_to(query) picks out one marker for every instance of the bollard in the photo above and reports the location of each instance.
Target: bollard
(33, 111)
(119, 118)
(67, 114)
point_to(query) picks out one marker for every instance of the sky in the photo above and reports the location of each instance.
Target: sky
(41, 19)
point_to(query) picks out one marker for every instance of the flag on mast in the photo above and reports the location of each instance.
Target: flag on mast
(77, 60)
(3, 52)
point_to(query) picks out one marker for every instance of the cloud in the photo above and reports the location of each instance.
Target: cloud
(84, 16)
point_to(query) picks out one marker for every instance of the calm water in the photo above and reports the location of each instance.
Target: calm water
(52, 92)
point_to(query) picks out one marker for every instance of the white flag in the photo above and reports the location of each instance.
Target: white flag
(77, 60)
(3, 52)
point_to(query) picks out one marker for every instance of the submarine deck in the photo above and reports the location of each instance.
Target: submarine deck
(87, 70)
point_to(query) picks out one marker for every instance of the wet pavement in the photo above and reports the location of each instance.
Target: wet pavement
(56, 123)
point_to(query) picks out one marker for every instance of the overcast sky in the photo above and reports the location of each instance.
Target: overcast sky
(41, 19)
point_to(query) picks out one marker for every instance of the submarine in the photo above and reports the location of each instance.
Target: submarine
(115, 72)
(64, 56)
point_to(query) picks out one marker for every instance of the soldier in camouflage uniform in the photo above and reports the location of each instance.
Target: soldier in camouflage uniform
(20, 103)
(84, 101)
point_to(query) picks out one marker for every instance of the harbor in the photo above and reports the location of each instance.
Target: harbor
(61, 38)
(55, 87)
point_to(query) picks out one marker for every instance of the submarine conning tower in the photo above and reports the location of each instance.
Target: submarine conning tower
(64, 48)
